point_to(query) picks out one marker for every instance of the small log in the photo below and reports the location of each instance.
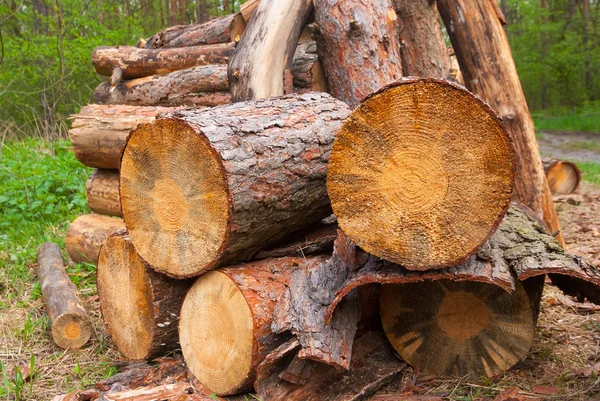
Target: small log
(143, 374)
(260, 65)
(483, 50)
(373, 366)
(563, 176)
(140, 307)
(358, 46)
(98, 132)
(204, 85)
(462, 327)
(88, 233)
(70, 324)
(219, 30)
(411, 161)
(225, 326)
(254, 173)
(102, 192)
(137, 63)
(422, 45)
(247, 9)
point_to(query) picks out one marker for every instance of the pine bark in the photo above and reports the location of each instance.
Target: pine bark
(225, 326)
(102, 192)
(69, 322)
(563, 176)
(255, 172)
(137, 63)
(260, 65)
(98, 132)
(307, 70)
(422, 45)
(88, 233)
(358, 46)
(205, 85)
(140, 307)
(488, 69)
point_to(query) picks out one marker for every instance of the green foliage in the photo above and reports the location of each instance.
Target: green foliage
(587, 120)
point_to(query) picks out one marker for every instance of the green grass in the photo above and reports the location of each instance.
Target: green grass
(593, 146)
(587, 121)
(590, 172)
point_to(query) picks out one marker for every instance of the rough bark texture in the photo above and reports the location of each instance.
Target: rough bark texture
(307, 71)
(179, 391)
(102, 192)
(422, 45)
(205, 85)
(142, 374)
(220, 30)
(140, 307)
(488, 69)
(225, 326)
(358, 46)
(421, 173)
(69, 322)
(373, 366)
(563, 176)
(255, 172)
(259, 67)
(88, 233)
(98, 132)
(137, 63)
(303, 307)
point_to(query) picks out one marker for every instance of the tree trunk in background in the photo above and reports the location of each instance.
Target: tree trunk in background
(543, 53)
(586, 49)
(173, 14)
(182, 12)
(488, 69)
(202, 14)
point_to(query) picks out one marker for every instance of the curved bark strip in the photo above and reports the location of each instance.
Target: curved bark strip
(488, 69)
(70, 324)
(140, 308)
(303, 307)
(88, 233)
(254, 172)
(98, 132)
(422, 45)
(259, 66)
(373, 366)
(307, 71)
(219, 30)
(137, 63)
(358, 46)
(205, 85)
(102, 192)
(247, 9)
(563, 176)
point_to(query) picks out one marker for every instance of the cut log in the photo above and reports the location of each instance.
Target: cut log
(143, 374)
(140, 307)
(137, 63)
(247, 9)
(421, 174)
(358, 46)
(463, 328)
(219, 30)
(260, 65)
(563, 176)
(98, 132)
(225, 326)
(422, 45)
(373, 366)
(242, 177)
(69, 322)
(102, 192)
(87, 234)
(202, 86)
(486, 62)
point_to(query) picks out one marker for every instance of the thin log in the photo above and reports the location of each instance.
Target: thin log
(219, 30)
(69, 322)
(255, 172)
(486, 62)
(140, 307)
(410, 162)
(358, 46)
(98, 132)
(88, 233)
(225, 326)
(137, 63)
(102, 192)
(260, 65)
(563, 176)
(373, 366)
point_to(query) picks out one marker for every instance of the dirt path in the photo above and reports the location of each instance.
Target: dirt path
(577, 147)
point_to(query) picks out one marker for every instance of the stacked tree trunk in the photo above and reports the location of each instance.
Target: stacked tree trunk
(227, 248)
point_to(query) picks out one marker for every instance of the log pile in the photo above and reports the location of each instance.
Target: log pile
(225, 245)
